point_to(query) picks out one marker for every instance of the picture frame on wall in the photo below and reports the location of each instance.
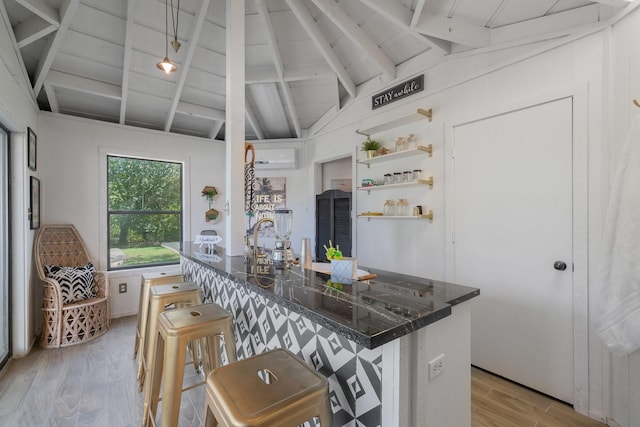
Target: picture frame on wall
(32, 149)
(34, 220)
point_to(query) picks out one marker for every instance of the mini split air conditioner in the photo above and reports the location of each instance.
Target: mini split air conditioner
(275, 158)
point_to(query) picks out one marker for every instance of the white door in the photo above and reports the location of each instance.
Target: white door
(512, 236)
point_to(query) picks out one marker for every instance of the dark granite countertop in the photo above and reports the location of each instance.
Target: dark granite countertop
(370, 313)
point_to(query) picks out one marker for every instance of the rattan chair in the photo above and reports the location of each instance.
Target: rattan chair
(72, 323)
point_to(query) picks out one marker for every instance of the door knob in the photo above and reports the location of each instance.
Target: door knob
(560, 265)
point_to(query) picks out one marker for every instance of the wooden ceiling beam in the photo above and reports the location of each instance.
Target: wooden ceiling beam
(67, 10)
(403, 17)
(311, 27)
(42, 9)
(126, 61)
(353, 31)
(277, 62)
(453, 30)
(184, 70)
(32, 29)
(84, 85)
(620, 4)
(252, 119)
(189, 109)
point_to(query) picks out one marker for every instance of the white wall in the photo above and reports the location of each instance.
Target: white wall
(74, 177)
(466, 86)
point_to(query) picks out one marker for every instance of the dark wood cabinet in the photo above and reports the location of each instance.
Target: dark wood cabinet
(333, 222)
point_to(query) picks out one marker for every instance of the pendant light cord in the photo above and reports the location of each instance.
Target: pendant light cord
(174, 19)
(166, 28)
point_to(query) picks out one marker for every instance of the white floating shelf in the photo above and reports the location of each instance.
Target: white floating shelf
(420, 149)
(428, 182)
(420, 114)
(428, 216)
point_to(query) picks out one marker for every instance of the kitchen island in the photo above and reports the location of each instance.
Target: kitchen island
(374, 340)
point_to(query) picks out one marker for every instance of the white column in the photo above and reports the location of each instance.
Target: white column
(234, 129)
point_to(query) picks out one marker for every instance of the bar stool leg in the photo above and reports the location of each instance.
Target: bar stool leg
(174, 355)
(152, 386)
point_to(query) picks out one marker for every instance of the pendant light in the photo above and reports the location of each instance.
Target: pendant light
(166, 65)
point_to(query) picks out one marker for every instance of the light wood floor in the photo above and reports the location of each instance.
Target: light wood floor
(94, 385)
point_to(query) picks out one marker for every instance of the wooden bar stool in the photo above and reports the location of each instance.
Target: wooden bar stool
(161, 296)
(205, 323)
(274, 389)
(149, 280)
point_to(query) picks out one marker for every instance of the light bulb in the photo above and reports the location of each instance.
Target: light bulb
(166, 65)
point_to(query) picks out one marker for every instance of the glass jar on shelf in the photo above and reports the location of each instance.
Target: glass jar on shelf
(412, 142)
(417, 174)
(397, 177)
(402, 207)
(388, 178)
(401, 143)
(389, 208)
(407, 176)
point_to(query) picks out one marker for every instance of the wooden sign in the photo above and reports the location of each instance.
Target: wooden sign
(397, 92)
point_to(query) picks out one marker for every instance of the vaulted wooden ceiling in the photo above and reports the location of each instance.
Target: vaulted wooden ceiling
(305, 59)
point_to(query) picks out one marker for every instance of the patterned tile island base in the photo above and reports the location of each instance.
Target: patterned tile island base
(383, 386)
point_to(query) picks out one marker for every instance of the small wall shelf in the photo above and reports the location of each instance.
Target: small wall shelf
(428, 182)
(428, 216)
(420, 149)
(420, 114)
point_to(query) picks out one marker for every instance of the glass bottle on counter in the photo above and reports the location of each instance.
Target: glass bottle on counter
(402, 207)
(389, 208)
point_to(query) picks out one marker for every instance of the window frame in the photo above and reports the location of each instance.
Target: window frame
(107, 212)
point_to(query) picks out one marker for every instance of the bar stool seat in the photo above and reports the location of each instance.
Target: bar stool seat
(206, 324)
(149, 280)
(161, 296)
(274, 389)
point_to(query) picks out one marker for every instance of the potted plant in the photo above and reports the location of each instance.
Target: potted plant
(371, 147)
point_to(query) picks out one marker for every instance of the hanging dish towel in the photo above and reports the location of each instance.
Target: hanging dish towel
(617, 294)
(249, 180)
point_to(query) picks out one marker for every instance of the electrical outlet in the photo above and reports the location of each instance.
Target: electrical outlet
(436, 366)
(122, 287)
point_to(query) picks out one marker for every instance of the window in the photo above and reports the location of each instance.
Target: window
(144, 210)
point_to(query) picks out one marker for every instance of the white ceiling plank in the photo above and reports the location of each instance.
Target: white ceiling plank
(67, 9)
(311, 27)
(558, 24)
(253, 122)
(42, 9)
(353, 31)
(215, 128)
(454, 30)
(200, 111)
(184, 71)
(51, 96)
(402, 17)
(416, 13)
(126, 62)
(620, 4)
(277, 62)
(32, 29)
(84, 85)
